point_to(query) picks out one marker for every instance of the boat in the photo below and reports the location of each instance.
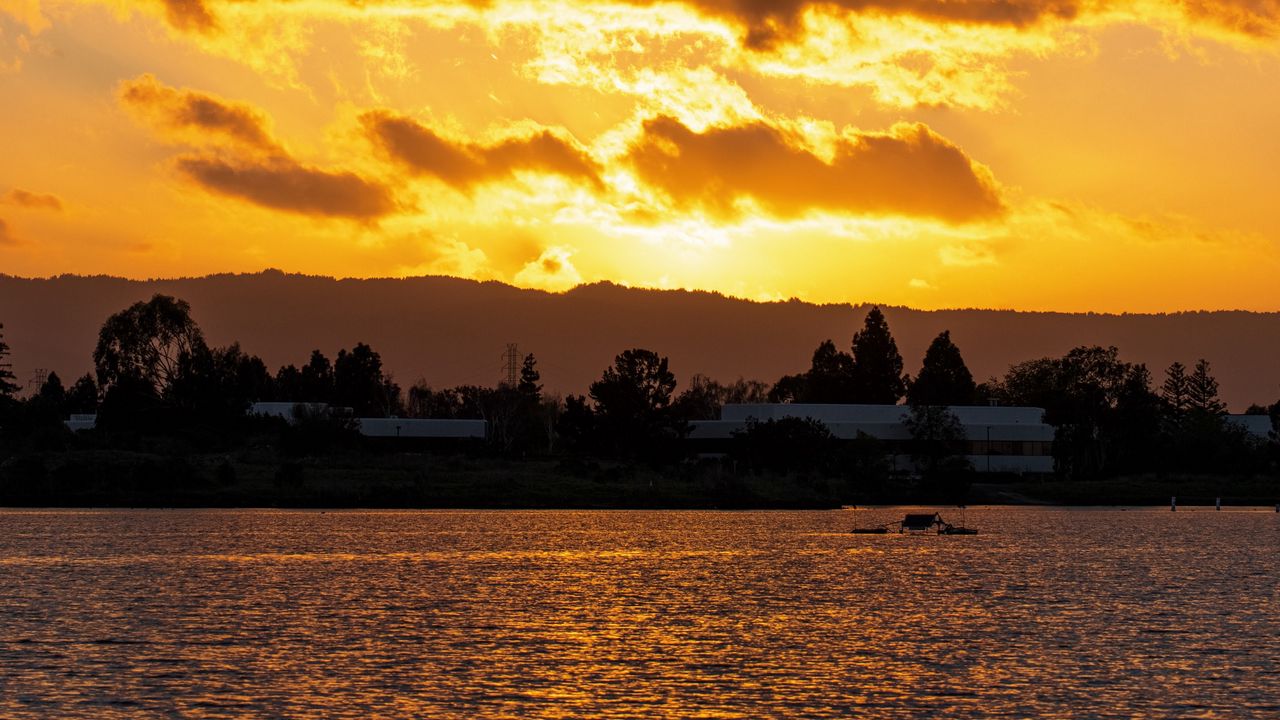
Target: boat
(918, 523)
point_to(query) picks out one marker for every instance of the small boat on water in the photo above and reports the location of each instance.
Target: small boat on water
(917, 523)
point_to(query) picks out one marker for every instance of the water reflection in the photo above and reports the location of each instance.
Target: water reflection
(1048, 613)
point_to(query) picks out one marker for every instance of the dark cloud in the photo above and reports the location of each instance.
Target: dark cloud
(462, 165)
(245, 161)
(190, 112)
(1254, 18)
(768, 21)
(40, 201)
(189, 15)
(284, 184)
(6, 236)
(910, 171)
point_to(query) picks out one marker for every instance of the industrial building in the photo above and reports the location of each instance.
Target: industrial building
(1000, 439)
(393, 427)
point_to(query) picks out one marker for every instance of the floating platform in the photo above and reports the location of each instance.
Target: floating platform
(918, 523)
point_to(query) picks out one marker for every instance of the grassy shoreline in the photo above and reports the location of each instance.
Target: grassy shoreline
(115, 478)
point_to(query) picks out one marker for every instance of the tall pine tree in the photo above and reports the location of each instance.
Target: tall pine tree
(1174, 389)
(1202, 391)
(529, 377)
(877, 365)
(8, 381)
(944, 379)
(830, 377)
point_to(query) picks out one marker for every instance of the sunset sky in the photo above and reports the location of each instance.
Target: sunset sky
(1029, 154)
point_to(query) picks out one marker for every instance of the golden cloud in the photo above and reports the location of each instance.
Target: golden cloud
(189, 15)
(195, 117)
(284, 184)
(249, 164)
(462, 165)
(35, 201)
(769, 21)
(551, 270)
(907, 171)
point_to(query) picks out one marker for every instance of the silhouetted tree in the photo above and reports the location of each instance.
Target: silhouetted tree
(147, 342)
(217, 386)
(1202, 391)
(359, 383)
(529, 385)
(789, 389)
(52, 392)
(1080, 393)
(1134, 425)
(8, 381)
(743, 391)
(701, 400)
(83, 396)
(831, 377)
(633, 405)
(312, 383)
(576, 426)
(877, 365)
(944, 379)
(46, 409)
(1174, 397)
(1174, 390)
(784, 445)
(938, 449)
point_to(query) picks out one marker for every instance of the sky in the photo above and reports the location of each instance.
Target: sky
(1072, 155)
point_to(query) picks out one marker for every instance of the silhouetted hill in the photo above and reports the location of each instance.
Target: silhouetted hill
(452, 331)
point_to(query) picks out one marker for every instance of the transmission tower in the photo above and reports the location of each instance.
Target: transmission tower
(39, 377)
(511, 364)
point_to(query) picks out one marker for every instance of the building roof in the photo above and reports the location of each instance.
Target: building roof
(880, 414)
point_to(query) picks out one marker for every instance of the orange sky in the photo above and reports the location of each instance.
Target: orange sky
(1029, 154)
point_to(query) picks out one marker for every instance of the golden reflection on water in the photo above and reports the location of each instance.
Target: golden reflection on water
(1048, 613)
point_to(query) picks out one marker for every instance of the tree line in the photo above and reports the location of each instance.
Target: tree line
(155, 375)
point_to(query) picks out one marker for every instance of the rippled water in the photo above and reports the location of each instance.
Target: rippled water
(1048, 613)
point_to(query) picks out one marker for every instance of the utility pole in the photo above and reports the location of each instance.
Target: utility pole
(511, 364)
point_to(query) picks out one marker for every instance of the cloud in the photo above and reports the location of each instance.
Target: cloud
(552, 271)
(769, 21)
(462, 165)
(195, 117)
(285, 184)
(245, 161)
(908, 171)
(26, 12)
(6, 236)
(189, 15)
(36, 201)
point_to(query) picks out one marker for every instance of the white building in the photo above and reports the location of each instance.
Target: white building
(421, 429)
(1000, 439)
(289, 411)
(82, 422)
(408, 428)
(1258, 426)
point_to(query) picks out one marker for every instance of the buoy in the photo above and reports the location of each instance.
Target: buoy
(1173, 504)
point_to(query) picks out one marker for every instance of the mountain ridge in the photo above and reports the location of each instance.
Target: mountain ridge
(450, 330)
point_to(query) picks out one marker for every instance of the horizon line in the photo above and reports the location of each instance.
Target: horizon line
(269, 271)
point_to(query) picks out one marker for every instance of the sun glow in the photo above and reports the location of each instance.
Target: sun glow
(1114, 157)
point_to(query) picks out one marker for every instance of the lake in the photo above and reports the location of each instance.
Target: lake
(1054, 613)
